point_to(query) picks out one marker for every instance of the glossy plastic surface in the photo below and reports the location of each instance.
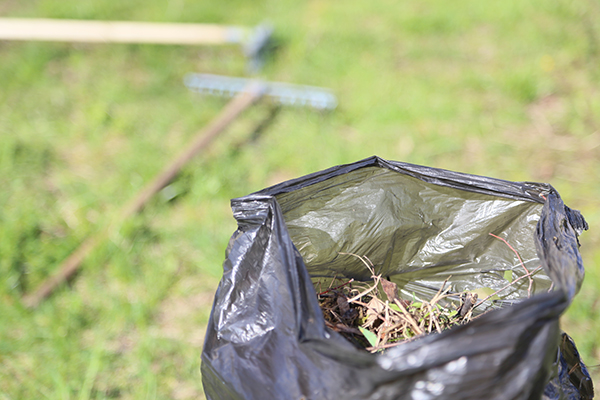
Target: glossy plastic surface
(267, 339)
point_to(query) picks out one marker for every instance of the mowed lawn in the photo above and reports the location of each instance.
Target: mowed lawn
(509, 90)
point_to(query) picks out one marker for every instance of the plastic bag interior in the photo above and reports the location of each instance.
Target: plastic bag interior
(417, 233)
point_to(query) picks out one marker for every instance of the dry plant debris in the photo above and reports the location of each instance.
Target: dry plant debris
(358, 311)
(360, 314)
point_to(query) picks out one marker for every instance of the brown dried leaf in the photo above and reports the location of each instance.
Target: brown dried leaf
(390, 289)
(342, 303)
(374, 309)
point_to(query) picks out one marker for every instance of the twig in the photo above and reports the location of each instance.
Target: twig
(374, 349)
(521, 261)
(362, 258)
(342, 328)
(507, 286)
(441, 293)
(409, 317)
(366, 292)
(433, 317)
(335, 288)
(376, 278)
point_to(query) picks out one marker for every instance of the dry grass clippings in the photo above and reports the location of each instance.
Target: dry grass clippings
(372, 316)
(358, 311)
(372, 323)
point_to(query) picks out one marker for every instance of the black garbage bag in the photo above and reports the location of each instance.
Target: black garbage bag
(267, 337)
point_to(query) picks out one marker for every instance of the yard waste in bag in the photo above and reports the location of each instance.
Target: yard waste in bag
(426, 231)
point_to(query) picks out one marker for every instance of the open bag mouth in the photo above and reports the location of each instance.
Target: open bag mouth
(418, 234)
(421, 229)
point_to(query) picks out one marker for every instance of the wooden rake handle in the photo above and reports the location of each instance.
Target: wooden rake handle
(64, 30)
(200, 142)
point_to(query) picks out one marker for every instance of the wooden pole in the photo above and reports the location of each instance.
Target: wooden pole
(200, 142)
(118, 31)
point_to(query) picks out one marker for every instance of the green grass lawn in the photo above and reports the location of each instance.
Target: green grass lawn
(509, 90)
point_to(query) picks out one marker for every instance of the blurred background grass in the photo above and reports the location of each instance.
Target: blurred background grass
(508, 90)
